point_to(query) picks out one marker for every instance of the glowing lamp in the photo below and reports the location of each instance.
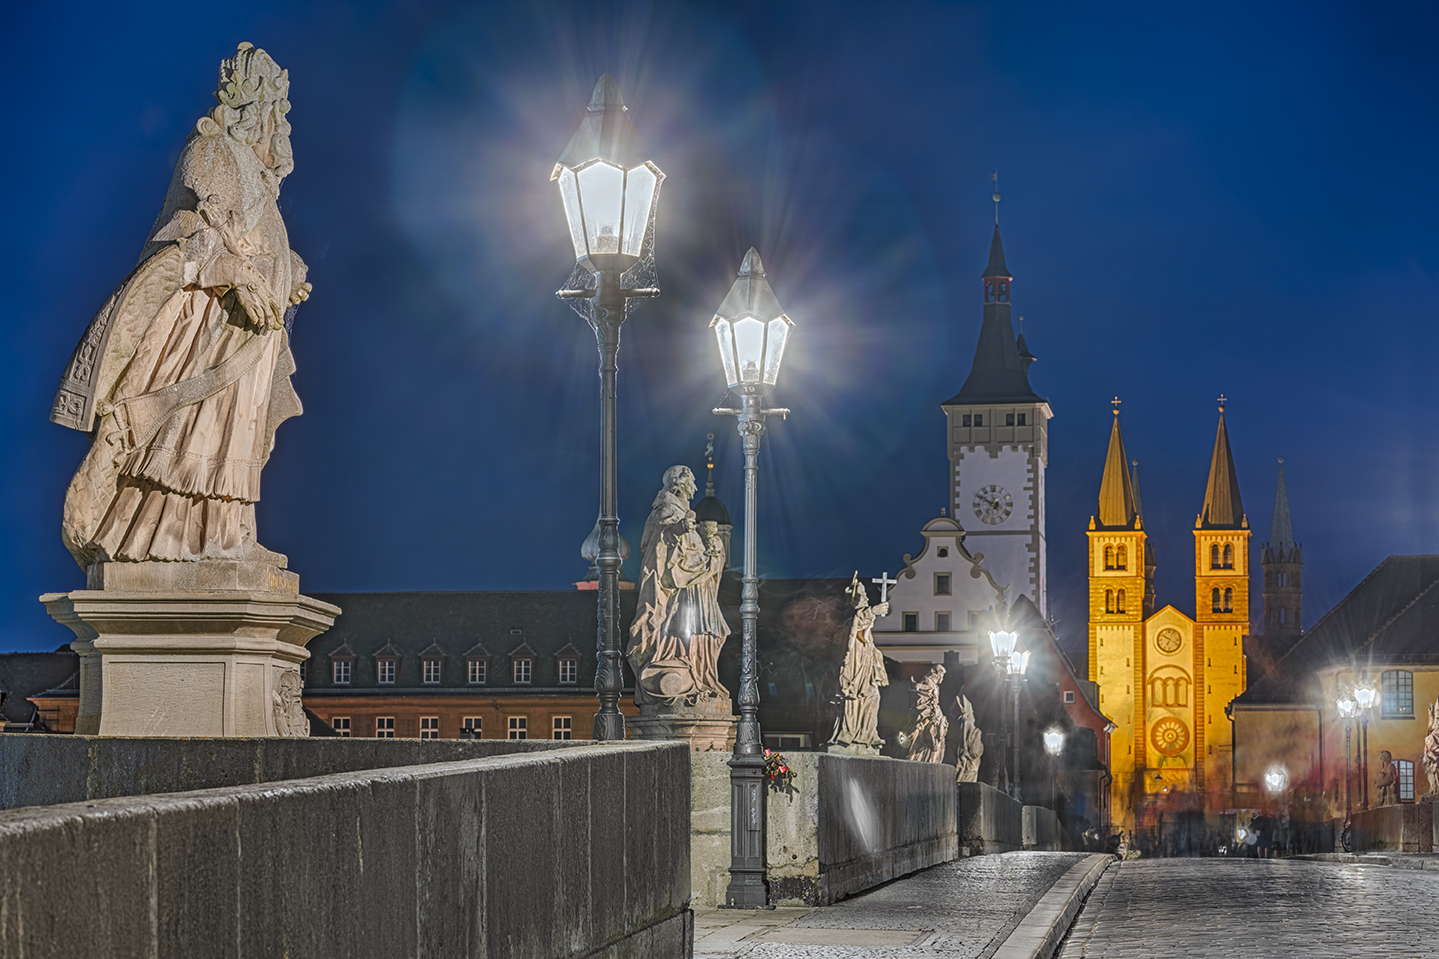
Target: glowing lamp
(1018, 663)
(1276, 780)
(608, 184)
(1348, 708)
(1003, 644)
(1053, 741)
(1365, 696)
(752, 330)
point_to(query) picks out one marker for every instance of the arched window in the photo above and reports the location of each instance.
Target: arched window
(1281, 617)
(1109, 600)
(1181, 688)
(1109, 557)
(1214, 601)
(1406, 778)
(1228, 600)
(1214, 556)
(1119, 602)
(1228, 556)
(1121, 558)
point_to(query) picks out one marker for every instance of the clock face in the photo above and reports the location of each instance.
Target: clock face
(993, 505)
(1169, 640)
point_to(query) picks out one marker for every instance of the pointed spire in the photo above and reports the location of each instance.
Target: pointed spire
(996, 267)
(1117, 508)
(1281, 533)
(1222, 507)
(1134, 482)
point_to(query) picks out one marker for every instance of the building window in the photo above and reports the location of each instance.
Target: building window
(911, 622)
(1228, 556)
(965, 420)
(1021, 419)
(1109, 600)
(1069, 696)
(1008, 419)
(1281, 617)
(521, 674)
(979, 419)
(1228, 599)
(1121, 558)
(384, 727)
(477, 672)
(432, 671)
(519, 727)
(943, 552)
(1214, 556)
(473, 725)
(942, 622)
(1109, 557)
(341, 672)
(387, 671)
(1406, 779)
(569, 671)
(341, 725)
(941, 584)
(1119, 601)
(1397, 687)
(1215, 605)
(563, 728)
(429, 727)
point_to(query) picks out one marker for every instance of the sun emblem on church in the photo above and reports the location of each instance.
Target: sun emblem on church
(1170, 736)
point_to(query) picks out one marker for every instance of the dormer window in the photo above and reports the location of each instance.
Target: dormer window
(522, 670)
(431, 660)
(386, 672)
(341, 662)
(387, 662)
(522, 664)
(477, 662)
(569, 663)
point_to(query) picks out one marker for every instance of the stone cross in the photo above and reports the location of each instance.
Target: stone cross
(884, 583)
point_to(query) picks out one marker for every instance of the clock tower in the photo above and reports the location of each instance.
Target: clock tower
(998, 447)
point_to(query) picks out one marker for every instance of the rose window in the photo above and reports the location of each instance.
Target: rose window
(1170, 736)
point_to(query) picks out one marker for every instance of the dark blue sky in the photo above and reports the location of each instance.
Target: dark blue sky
(1198, 199)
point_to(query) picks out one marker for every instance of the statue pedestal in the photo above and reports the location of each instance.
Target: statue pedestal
(187, 649)
(851, 749)
(705, 729)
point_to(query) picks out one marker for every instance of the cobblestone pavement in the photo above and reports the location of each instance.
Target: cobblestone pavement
(1253, 908)
(964, 909)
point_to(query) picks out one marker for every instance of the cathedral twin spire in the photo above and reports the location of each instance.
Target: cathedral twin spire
(1222, 506)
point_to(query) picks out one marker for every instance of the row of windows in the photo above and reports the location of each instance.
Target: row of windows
(521, 671)
(1221, 560)
(562, 727)
(1221, 601)
(1116, 558)
(1114, 601)
(977, 419)
(943, 622)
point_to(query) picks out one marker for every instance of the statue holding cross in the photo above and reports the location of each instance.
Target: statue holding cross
(884, 583)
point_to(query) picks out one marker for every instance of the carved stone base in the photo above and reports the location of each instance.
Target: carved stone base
(852, 749)
(188, 649)
(704, 733)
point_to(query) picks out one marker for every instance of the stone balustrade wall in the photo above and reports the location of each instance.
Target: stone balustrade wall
(560, 852)
(989, 821)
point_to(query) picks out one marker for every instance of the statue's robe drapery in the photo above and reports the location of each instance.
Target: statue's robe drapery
(678, 629)
(971, 744)
(860, 678)
(932, 727)
(182, 388)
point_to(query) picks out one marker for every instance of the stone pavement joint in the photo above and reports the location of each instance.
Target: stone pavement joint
(1038, 935)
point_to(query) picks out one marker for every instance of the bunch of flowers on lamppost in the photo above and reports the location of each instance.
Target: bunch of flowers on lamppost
(1348, 709)
(1054, 745)
(752, 332)
(610, 190)
(1365, 697)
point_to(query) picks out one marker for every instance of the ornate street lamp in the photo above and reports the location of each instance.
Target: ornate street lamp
(1018, 666)
(1365, 696)
(1053, 744)
(610, 189)
(1348, 709)
(752, 331)
(1001, 643)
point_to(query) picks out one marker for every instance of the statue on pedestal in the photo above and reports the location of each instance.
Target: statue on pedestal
(181, 380)
(1386, 780)
(678, 630)
(926, 745)
(856, 729)
(971, 743)
(1431, 753)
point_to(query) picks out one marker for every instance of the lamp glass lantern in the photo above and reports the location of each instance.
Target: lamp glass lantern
(751, 330)
(1018, 663)
(1276, 779)
(1053, 741)
(1002, 643)
(609, 186)
(1348, 708)
(1365, 696)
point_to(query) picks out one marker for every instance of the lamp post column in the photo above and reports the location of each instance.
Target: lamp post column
(609, 315)
(1364, 761)
(1004, 750)
(1014, 741)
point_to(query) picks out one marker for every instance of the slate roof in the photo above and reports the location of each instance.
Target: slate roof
(1222, 508)
(1000, 373)
(1117, 509)
(1281, 532)
(23, 675)
(459, 625)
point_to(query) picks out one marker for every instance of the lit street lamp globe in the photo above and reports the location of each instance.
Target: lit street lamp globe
(1276, 780)
(1365, 696)
(1019, 663)
(1053, 741)
(608, 184)
(1002, 643)
(752, 330)
(1348, 708)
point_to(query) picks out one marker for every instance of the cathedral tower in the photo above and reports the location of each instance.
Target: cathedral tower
(1221, 610)
(998, 447)
(1283, 562)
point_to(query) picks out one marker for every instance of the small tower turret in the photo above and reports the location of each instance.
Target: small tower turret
(1283, 562)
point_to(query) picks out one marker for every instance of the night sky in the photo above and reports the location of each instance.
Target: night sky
(1198, 199)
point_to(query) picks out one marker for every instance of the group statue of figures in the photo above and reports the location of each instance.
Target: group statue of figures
(1431, 753)
(926, 745)
(861, 676)
(971, 743)
(184, 374)
(678, 628)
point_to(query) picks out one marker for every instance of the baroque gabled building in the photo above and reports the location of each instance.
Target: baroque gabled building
(1165, 678)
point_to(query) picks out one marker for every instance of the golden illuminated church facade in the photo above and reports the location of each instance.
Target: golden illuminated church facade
(1165, 678)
